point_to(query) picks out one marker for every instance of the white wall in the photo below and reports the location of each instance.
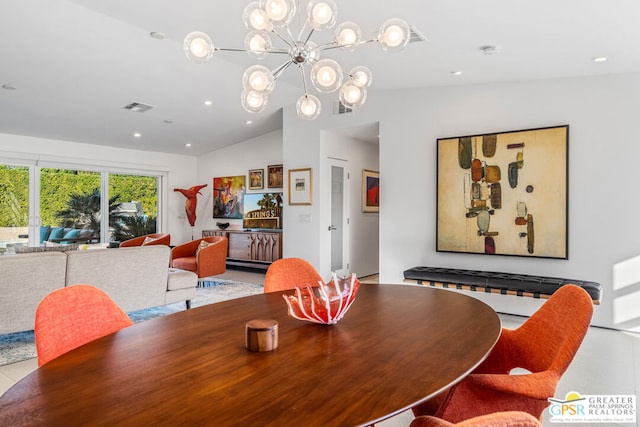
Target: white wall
(235, 160)
(180, 170)
(603, 153)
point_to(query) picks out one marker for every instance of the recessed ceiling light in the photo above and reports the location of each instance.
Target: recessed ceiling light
(599, 59)
(9, 87)
(156, 35)
(207, 103)
(137, 135)
(456, 73)
(249, 122)
(187, 145)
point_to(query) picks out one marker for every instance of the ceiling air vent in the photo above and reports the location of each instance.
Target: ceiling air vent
(415, 36)
(138, 107)
(340, 108)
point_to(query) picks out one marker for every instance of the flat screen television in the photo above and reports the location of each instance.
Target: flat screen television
(262, 211)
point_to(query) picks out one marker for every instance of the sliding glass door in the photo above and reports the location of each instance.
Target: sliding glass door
(59, 206)
(14, 206)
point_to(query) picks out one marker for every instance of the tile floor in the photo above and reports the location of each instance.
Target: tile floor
(608, 362)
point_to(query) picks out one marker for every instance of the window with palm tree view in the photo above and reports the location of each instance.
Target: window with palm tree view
(71, 206)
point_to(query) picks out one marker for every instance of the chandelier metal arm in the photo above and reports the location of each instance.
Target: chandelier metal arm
(278, 71)
(281, 37)
(334, 45)
(309, 36)
(304, 80)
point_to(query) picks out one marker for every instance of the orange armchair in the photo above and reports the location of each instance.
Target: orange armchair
(205, 262)
(287, 273)
(72, 316)
(152, 239)
(544, 345)
(497, 419)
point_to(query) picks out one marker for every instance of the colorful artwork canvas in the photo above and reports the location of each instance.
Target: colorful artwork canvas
(228, 197)
(370, 191)
(504, 193)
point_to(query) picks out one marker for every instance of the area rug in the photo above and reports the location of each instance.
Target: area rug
(20, 346)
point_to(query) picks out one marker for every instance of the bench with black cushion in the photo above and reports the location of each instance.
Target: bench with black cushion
(521, 285)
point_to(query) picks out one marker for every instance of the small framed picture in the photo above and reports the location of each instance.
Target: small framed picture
(274, 176)
(300, 186)
(370, 191)
(256, 179)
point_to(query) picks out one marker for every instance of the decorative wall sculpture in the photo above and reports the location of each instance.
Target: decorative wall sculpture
(192, 200)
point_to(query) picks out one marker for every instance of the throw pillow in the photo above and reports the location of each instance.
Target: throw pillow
(203, 244)
(72, 233)
(45, 230)
(56, 233)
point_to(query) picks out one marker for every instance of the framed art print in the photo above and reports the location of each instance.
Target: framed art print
(256, 179)
(300, 186)
(504, 193)
(370, 191)
(274, 176)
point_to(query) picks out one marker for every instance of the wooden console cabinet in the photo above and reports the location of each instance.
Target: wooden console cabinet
(256, 249)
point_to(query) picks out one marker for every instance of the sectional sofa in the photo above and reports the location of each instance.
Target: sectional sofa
(135, 278)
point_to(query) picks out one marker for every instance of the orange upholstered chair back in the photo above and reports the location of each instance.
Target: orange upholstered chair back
(552, 335)
(72, 316)
(497, 419)
(287, 273)
(151, 239)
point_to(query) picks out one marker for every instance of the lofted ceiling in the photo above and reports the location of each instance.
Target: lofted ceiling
(69, 67)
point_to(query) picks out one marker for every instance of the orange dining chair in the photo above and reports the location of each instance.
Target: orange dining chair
(205, 257)
(72, 316)
(147, 240)
(544, 345)
(497, 419)
(287, 273)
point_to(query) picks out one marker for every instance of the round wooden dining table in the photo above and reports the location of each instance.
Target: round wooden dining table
(398, 345)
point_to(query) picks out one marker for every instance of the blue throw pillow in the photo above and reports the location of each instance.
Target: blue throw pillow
(72, 233)
(44, 232)
(56, 233)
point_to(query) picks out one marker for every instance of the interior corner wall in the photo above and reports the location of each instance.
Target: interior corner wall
(179, 169)
(234, 160)
(603, 151)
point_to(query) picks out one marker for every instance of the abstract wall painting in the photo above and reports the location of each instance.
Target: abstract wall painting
(504, 193)
(228, 196)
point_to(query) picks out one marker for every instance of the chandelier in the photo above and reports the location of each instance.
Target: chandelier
(265, 19)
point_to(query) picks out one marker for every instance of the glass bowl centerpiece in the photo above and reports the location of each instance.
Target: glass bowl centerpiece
(325, 303)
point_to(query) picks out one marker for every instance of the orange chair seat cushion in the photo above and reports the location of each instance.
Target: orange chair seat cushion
(185, 263)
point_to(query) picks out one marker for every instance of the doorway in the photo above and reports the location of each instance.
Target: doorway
(339, 226)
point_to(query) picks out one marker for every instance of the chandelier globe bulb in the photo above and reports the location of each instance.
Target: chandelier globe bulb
(257, 43)
(352, 96)
(279, 12)
(326, 75)
(361, 76)
(348, 35)
(308, 107)
(255, 18)
(258, 78)
(198, 47)
(322, 14)
(394, 35)
(254, 102)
